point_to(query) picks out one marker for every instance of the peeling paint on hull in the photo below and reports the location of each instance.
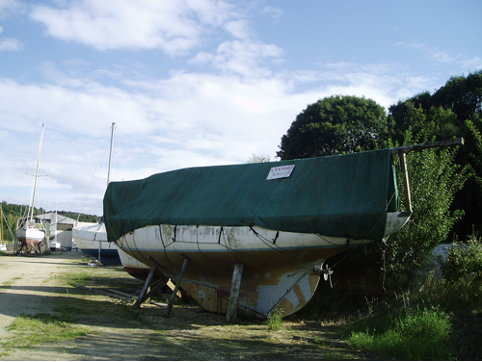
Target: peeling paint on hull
(281, 269)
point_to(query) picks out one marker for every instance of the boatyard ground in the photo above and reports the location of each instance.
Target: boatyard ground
(44, 317)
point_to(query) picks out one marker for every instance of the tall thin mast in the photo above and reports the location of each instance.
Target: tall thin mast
(111, 148)
(108, 172)
(1, 230)
(36, 175)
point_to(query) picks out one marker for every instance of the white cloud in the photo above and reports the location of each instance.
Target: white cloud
(239, 29)
(7, 6)
(10, 45)
(275, 13)
(176, 27)
(431, 52)
(245, 57)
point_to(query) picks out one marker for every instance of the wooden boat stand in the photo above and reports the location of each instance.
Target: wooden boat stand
(176, 289)
(145, 295)
(161, 283)
(232, 311)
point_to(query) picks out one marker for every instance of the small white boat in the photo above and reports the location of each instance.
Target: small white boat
(92, 240)
(28, 235)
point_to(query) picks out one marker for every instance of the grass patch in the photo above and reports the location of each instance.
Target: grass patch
(30, 330)
(275, 320)
(9, 283)
(80, 278)
(410, 334)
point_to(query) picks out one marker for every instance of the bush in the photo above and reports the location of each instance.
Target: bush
(411, 334)
(463, 260)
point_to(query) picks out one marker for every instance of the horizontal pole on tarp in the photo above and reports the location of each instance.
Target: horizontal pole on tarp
(422, 146)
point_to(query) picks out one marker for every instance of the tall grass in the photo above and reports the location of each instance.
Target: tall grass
(275, 320)
(408, 334)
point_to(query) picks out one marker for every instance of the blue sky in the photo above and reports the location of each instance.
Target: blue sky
(199, 82)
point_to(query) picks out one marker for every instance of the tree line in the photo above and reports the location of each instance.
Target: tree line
(13, 212)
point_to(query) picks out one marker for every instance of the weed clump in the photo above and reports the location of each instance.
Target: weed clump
(275, 320)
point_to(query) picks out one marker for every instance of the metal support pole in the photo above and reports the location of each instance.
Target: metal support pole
(178, 283)
(232, 312)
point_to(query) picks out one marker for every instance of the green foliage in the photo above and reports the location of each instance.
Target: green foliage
(434, 181)
(336, 125)
(464, 260)
(259, 158)
(13, 212)
(408, 334)
(82, 217)
(275, 320)
(81, 278)
(449, 108)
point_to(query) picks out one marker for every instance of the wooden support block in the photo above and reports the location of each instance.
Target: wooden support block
(142, 296)
(178, 283)
(232, 312)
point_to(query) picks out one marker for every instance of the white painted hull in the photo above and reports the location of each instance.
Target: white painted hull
(133, 266)
(30, 236)
(92, 240)
(281, 269)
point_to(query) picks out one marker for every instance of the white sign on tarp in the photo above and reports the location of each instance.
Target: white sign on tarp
(280, 172)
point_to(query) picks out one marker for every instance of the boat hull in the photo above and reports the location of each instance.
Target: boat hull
(92, 240)
(132, 266)
(281, 270)
(30, 236)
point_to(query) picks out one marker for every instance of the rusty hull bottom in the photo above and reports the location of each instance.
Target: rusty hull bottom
(272, 280)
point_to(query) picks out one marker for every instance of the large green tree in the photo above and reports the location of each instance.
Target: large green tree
(455, 110)
(336, 125)
(461, 95)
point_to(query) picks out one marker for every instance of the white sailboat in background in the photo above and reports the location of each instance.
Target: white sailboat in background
(54, 243)
(92, 238)
(29, 236)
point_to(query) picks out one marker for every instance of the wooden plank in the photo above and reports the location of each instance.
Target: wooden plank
(406, 182)
(146, 285)
(178, 283)
(232, 312)
(112, 295)
(423, 146)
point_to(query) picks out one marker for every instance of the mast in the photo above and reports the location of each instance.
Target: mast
(108, 171)
(111, 148)
(36, 175)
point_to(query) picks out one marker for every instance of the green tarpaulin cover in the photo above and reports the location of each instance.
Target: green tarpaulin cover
(342, 196)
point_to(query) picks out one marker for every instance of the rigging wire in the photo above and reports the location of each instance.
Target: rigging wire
(120, 141)
(91, 185)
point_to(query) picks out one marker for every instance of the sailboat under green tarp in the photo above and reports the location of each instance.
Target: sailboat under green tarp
(341, 196)
(280, 221)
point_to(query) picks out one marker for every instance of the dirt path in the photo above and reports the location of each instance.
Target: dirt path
(33, 285)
